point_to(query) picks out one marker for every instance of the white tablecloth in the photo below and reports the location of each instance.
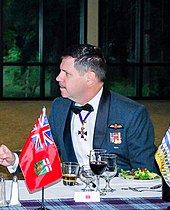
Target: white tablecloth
(58, 190)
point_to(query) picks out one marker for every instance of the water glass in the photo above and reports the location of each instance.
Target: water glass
(87, 176)
(110, 172)
(70, 171)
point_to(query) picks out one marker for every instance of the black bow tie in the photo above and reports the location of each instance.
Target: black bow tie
(78, 109)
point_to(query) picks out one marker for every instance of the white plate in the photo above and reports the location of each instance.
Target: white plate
(140, 180)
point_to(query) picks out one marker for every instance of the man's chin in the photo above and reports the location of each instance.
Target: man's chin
(64, 95)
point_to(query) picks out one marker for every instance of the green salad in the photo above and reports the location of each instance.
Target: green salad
(139, 174)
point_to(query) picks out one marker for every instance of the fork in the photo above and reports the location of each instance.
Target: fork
(141, 190)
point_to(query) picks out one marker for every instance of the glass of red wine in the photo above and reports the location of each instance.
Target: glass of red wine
(98, 165)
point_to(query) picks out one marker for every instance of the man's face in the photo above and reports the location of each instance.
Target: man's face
(72, 83)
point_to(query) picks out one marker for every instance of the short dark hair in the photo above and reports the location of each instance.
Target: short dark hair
(87, 57)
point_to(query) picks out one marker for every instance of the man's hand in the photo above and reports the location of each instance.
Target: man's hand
(7, 158)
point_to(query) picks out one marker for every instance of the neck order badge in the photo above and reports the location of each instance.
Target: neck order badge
(77, 110)
(39, 159)
(82, 132)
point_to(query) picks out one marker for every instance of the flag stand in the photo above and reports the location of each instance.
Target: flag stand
(42, 203)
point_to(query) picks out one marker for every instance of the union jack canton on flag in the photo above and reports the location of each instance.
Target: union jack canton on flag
(39, 159)
(41, 133)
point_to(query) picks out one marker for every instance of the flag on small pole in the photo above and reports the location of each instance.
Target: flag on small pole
(39, 159)
(162, 157)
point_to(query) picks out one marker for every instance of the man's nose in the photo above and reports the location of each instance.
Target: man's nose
(58, 78)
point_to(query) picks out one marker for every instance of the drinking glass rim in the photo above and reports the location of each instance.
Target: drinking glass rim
(110, 155)
(99, 150)
(71, 163)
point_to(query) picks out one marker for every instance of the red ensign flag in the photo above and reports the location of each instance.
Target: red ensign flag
(39, 159)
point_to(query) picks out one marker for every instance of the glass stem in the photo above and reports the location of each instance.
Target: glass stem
(107, 184)
(98, 183)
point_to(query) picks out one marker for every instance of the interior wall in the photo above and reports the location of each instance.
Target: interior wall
(92, 22)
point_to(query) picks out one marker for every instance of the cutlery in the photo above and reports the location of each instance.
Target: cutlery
(141, 189)
(156, 186)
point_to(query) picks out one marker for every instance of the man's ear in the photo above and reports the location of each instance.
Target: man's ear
(90, 77)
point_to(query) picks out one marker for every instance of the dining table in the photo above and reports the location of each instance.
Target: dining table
(128, 194)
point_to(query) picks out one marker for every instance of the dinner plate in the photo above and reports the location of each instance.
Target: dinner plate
(131, 178)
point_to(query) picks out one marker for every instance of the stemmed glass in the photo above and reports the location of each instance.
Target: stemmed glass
(110, 171)
(87, 176)
(98, 165)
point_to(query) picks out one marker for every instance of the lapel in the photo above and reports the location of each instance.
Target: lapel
(70, 154)
(101, 125)
(62, 118)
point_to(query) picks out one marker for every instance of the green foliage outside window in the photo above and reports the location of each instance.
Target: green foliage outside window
(21, 81)
(123, 87)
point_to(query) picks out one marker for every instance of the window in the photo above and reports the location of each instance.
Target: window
(134, 36)
(34, 33)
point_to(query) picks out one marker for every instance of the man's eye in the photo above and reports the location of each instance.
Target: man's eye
(67, 73)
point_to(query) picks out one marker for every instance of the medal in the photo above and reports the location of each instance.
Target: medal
(115, 138)
(83, 132)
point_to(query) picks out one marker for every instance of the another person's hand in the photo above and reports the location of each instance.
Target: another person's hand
(7, 158)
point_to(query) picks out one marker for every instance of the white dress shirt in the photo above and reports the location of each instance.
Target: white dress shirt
(13, 168)
(82, 146)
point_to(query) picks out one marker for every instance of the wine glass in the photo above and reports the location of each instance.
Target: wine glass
(110, 171)
(98, 165)
(87, 176)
